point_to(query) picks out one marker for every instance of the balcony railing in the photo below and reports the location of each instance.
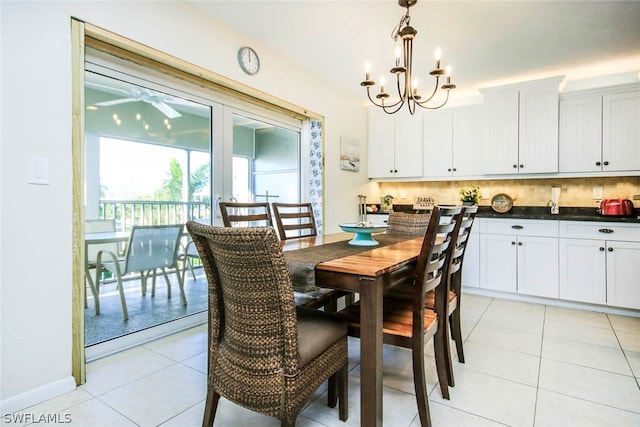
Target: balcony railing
(128, 213)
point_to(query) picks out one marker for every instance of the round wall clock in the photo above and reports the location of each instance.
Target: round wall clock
(248, 60)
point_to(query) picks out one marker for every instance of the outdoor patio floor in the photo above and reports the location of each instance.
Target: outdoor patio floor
(144, 311)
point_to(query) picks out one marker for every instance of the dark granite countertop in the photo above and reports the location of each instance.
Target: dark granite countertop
(544, 213)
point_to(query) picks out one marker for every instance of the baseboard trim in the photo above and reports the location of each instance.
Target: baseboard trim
(552, 301)
(37, 395)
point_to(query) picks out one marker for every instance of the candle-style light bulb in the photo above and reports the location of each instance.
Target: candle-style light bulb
(382, 81)
(367, 70)
(397, 53)
(415, 86)
(448, 74)
(438, 55)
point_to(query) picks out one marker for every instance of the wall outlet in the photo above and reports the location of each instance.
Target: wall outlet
(403, 195)
(597, 193)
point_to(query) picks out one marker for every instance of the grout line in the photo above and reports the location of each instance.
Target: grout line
(535, 405)
(624, 353)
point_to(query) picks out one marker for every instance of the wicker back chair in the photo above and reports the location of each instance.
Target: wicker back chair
(408, 223)
(265, 354)
(407, 322)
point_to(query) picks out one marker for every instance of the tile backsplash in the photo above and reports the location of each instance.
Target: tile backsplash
(575, 192)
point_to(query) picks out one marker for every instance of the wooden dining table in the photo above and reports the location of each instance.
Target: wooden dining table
(369, 273)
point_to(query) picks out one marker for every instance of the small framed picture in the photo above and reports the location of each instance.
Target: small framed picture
(349, 154)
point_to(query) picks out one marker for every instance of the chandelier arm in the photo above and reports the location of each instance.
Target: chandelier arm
(435, 90)
(388, 111)
(383, 106)
(437, 107)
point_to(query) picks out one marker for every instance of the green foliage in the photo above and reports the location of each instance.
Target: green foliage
(199, 181)
(471, 194)
(172, 187)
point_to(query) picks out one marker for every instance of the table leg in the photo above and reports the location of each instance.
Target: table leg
(371, 352)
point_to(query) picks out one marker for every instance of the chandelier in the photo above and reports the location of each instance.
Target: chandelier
(408, 90)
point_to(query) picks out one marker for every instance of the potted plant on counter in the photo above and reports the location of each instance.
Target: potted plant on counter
(470, 196)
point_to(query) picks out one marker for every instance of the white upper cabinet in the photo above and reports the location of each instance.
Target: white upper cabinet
(453, 142)
(600, 131)
(395, 144)
(523, 128)
(580, 139)
(621, 131)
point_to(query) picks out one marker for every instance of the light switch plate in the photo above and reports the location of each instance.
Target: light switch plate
(38, 171)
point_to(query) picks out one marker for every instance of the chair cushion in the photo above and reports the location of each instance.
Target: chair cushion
(317, 330)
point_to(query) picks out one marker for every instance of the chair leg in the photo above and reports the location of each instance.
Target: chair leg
(343, 392)
(446, 344)
(332, 393)
(123, 302)
(210, 407)
(456, 333)
(181, 287)
(93, 286)
(441, 364)
(420, 382)
(166, 279)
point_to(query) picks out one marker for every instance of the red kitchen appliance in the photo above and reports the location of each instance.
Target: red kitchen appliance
(616, 207)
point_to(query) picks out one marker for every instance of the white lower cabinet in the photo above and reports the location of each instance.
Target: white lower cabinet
(519, 256)
(600, 263)
(583, 271)
(471, 263)
(623, 274)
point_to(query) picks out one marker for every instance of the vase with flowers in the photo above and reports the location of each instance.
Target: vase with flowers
(470, 196)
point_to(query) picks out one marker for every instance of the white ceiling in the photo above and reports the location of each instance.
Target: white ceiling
(486, 42)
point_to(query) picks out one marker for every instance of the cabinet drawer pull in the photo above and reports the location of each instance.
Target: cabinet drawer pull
(601, 249)
(606, 230)
(606, 163)
(610, 249)
(517, 227)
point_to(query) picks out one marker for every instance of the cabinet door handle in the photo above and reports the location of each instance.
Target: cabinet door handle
(515, 166)
(598, 163)
(395, 171)
(610, 249)
(449, 170)
(606, 230)
(513, 243)
(517, 227)
(601, 249)
(521, 166)
(519, 243)
(606, 163)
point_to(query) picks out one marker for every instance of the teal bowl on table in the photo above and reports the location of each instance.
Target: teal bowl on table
(363, 234)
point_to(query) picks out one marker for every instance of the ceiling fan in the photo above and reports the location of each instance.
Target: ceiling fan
(138, 94)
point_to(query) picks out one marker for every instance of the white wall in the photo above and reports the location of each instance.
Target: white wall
(35, 227)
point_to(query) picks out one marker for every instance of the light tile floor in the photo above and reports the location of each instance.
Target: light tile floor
(526, 365)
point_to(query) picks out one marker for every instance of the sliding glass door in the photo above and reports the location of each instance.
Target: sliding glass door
(147, 163)
(159, 152)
